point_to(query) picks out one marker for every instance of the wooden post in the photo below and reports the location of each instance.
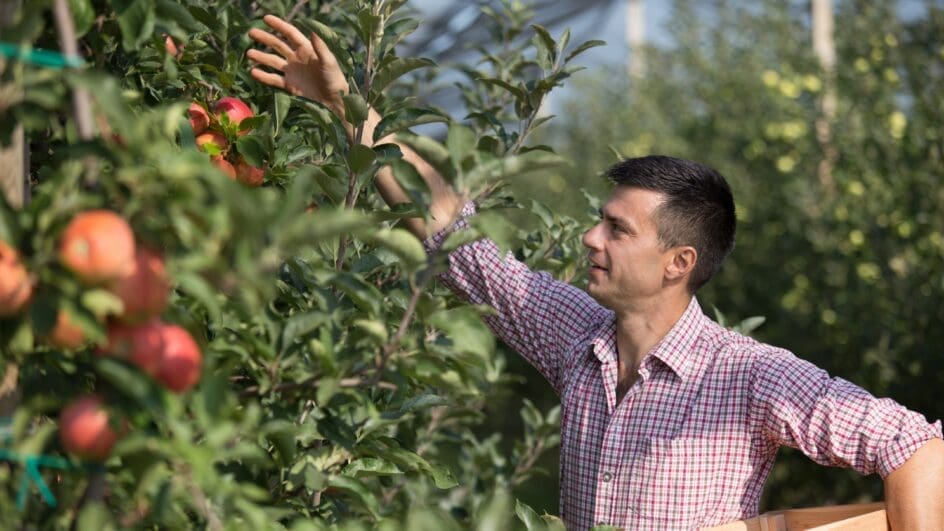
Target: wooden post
(81, 101)
(14, 160)
(14, 167)
(825, 49)
(636, 37)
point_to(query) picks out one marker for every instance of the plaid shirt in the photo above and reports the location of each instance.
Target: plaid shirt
(692, 442)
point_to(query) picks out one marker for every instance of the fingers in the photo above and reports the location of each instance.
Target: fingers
(273, 80)
(321, 49)
(295, 38)
(267, 39)
(267, 59)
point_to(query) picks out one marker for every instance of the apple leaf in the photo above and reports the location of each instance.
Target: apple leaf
(412, 183)
(582, 48)
(396, 31)
(136, 19)
(360, 158)
(393, 69)
(460, 141)
(406, 118)
(253, 149)
(355, 109)
(83, 15)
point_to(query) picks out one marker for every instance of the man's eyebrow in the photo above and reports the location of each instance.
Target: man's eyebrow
(623, 222)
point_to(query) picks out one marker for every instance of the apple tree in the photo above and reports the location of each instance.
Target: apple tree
(208, 318)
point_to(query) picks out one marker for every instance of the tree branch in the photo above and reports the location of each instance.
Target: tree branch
(314, 382)
(200, 500)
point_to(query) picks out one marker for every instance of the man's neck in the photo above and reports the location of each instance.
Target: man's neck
(640, 328)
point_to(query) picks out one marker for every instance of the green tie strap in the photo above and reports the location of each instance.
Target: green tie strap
(47, 58)
(32, 463)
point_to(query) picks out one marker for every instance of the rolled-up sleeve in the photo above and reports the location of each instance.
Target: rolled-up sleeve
(535, 314)
(831, 420)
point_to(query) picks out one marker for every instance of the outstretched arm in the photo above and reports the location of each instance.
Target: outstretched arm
(914, 492)
(837, 423)
(306, 67)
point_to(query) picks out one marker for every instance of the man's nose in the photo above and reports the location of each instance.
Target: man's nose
(591, 238)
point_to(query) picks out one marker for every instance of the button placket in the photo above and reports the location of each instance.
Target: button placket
(612, 450)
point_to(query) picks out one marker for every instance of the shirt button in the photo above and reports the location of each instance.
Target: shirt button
(607, 477)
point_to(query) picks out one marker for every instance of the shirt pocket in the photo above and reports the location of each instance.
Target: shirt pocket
(677, 478)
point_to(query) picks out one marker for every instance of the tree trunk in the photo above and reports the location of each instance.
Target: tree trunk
(14, 165)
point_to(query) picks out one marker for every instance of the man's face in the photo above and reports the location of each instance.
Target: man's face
(626, 261)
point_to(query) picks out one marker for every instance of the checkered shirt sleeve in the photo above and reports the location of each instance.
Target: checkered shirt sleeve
(833, 421)
(536, 315)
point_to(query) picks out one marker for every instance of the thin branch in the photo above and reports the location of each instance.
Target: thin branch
(9, 393)
(391, 346)
(435, 420)
(552, 246)
(200, 500)
(352, 191)
(314, 382)
(531, 457)
(298, 5)
(94, 491)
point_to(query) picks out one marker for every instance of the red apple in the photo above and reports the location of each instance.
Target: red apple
(248, 174)
(98, 246)
(85, 430)
(66, 334)
(180, 364)
(170, 45)
(144, 291)
(16, 285)
(142, 345)
(199, 118)
(234, 109)
(212, 142)
(224, 166)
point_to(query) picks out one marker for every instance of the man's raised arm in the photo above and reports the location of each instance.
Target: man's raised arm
(306, 67)
(538, 316)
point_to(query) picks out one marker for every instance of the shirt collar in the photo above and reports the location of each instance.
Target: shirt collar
(674, 349)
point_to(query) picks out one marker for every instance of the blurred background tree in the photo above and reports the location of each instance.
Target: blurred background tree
(841, 207)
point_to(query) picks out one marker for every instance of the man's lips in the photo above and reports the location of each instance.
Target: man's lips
(596, 266)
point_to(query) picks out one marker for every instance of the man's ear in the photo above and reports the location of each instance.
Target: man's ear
(681, 262)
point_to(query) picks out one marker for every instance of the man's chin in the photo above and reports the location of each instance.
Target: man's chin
(596, 294)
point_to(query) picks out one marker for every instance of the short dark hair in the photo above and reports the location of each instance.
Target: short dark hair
(698, 209)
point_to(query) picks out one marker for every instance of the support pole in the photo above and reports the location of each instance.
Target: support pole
(636, 37)
(825, 49)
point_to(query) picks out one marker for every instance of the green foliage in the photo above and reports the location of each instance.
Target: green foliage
(341, 388)
(855, 260)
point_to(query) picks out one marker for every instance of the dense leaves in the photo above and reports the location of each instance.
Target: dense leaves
(339, 384)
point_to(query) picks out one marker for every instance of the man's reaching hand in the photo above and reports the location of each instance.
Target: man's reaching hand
(305, 67)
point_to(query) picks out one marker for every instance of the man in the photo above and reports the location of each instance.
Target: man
(669, 421)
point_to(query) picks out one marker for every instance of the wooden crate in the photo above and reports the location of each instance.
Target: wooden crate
(857, 517)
